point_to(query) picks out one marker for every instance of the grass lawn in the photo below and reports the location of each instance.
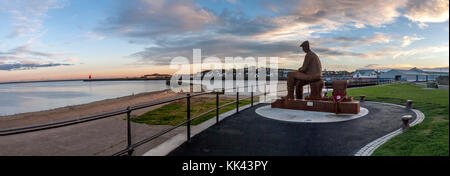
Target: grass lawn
(175, 112)
(429, 138)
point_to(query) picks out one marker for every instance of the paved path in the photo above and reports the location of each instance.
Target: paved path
(94, 138)
(247, 133)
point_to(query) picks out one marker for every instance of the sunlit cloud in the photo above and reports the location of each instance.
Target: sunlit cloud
(429, 11)
(416, 51)
(407, 40)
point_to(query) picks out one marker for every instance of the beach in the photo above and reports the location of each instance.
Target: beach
(71, 112)
(99, 137)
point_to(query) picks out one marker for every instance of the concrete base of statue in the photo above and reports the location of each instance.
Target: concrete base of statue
(303, 116)
(345, 107)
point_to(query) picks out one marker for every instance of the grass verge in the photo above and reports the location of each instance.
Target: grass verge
(431, 137)
(175, 112)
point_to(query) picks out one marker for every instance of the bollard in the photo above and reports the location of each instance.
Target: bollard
(362, 97)
(409, 104)
(405, 120)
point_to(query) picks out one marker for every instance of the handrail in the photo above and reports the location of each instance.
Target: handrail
(95, 116)
(60, 123)
(130, 147)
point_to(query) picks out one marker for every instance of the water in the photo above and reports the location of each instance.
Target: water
(31, 97)
(39, 96)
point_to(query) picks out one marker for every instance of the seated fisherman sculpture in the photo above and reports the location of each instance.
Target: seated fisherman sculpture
(311, 73)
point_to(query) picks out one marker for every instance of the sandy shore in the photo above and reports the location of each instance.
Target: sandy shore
(71, 112)
(99, 137)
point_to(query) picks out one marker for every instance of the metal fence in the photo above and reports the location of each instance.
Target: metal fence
(131, 146)
(363, 82)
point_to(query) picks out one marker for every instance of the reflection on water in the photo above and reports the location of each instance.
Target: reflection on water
(30, 97)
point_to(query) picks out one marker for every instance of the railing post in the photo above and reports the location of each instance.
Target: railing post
(217, 106)
(130, 151)
(265, 93)
(188, 116)
(251, 96)
(237, 100)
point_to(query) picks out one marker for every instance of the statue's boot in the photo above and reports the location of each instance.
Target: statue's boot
(290, 89)
(299, 91)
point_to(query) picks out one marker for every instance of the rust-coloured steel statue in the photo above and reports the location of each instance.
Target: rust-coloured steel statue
(311, 73)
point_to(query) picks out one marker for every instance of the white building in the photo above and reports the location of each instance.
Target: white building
(413, 74)
(367, 73)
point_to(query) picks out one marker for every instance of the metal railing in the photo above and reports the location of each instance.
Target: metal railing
(363, 82)
(130, 146)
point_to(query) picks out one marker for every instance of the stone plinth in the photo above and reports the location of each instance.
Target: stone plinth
(351, 107)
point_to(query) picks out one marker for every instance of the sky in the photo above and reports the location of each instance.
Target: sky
(72, 39)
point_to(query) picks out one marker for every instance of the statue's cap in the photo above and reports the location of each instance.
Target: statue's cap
(305, 43)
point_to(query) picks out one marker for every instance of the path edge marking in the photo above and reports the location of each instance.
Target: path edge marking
(368, 149)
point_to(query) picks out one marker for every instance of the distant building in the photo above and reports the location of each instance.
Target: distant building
(156, 76)
(366, 73)
(413, 74)
(335, 75)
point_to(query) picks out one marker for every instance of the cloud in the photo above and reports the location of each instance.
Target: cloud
(357, 13)
(355, 40)
(407, 40)
(175, 27)
(214, 46)
(429, 11)
(28, 66)
(239, 24)
(26, 50)
(150, 18)
(145, 19)
(417, 51)
(222, 47)
(372, 65)
(94, 36)
(28, 14)
(72, 59)
(25, 58)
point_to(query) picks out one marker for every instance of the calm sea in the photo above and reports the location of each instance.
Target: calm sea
(38, 96)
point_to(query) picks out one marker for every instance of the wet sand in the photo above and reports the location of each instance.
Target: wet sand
(71, 112)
